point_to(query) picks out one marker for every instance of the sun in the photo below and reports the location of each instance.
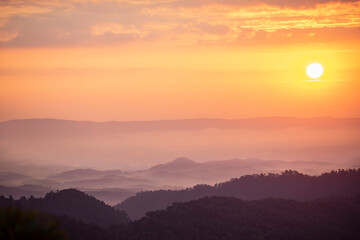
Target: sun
(315, 70)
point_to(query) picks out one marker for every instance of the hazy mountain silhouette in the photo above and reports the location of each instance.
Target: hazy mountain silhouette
(140, 144)
(77, 174)
(214, 218)
(25, 190)
(11, 178)
(180, 173)
(108, 181)
(51, 126)
(110, 196)
(72, 203)
(186, 172)
(289, 185)
(29, 169)
(180, 162)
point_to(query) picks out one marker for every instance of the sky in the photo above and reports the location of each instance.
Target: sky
(176, 59)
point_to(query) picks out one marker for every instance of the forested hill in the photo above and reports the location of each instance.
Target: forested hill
(288, 185)
(215, 218)
(72, 203)
(210, 218)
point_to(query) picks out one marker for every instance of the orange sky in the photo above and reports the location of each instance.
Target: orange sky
(170, 59)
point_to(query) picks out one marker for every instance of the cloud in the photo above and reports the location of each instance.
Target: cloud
(249, 36)
(7, 11)
(212, 29)
(91, 23)
(7, 36)
(116, 29)
(237, 3)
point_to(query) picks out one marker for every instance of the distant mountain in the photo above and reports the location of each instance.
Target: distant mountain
(214, 218)
(11, 178)
(180, 162)
(114, 186)
(72, 203)
(110, 196)
(178, 174)
(289, 185)
(25, 190)
(52, 126)
(28, 169)
(77, 174)
(139, 144)
(186, 172)
(95, 179)
(108, 181)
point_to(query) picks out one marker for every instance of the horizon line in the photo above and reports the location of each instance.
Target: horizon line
(178, 119)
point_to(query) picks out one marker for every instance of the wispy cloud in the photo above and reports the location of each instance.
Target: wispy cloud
(91, 23)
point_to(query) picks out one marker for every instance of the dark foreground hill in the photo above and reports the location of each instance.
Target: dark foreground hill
(71, 203)
(215, 218)
(212, 218)
(288, 185)
(16, 223)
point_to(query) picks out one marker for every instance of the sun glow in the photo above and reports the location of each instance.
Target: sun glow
(315, 70)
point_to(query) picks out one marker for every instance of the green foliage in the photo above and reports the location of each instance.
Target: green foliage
(17, 224)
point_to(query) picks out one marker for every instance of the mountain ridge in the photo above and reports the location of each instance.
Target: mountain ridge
(72, 203)
(186, 124)
(289, 185)
(178, 119)
(139, 144)
(230, 218)
(177, 174)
